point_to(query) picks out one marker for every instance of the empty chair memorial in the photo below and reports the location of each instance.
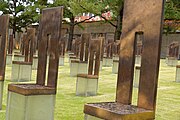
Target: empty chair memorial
(116, 56)
(139, 16)
(177, 78)
(173, 54)
(87, 84)
(80, 66)
(37, 101)
(35, 51)
(19, 55)
(108, 58)
(74, 53)
(62, 47)
(21, 70)
(10, 50)
(4, 25)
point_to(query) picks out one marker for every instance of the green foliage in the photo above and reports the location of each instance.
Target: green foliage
(22, 13)
(172, 13)
(172, 10)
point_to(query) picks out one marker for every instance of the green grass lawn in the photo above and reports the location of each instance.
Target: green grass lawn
(70, 107)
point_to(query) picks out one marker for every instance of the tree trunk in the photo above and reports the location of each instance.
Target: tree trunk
(119, 24)
(118, 29)
(71, 32)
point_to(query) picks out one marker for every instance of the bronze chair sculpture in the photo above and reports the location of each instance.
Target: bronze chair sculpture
(139, 16)
(25, 100)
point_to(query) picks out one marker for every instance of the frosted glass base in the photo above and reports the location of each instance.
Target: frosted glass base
(35, 107)
(115, 66)
(1, 93)
(86, 86)
(107, 62)
(21, 73)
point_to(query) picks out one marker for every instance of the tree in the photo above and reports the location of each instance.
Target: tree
(98, 7)
(172, 15)
(22, 12)
(70, 12)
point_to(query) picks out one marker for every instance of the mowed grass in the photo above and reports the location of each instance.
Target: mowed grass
(70, 107)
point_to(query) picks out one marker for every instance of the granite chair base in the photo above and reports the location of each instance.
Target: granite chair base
(21, 71)
(86, 85)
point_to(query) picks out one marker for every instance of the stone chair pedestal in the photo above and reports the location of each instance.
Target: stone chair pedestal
(115, 66)
(61, 61)
(172, 61)
(9, 59)
(74, 68)
(107, 62)
(178, 73)
(1, 91)
(18, 57)
(35, 62)
(78, 67)
(86, 85)
(30, 102)
(72, 58)
(21, 71)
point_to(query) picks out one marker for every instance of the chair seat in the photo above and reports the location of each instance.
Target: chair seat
(88, 76)
(21, 62)
(117, 111)
(31, 89)
(1, 78)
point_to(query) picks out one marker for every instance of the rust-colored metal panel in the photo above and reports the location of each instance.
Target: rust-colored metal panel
(140, 16)
(98, 56)
(151, 52)
(50, 26)
(29, 44)
(10, 44)
(85, 38)
(102, 49)
(62, 45)
(4, 25)
(95, 52)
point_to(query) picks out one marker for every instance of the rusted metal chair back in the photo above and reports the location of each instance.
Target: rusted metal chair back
(85, 38)
(109, 48)
(149, 23)
(116, 47)
(29, 44)
(174, 49)
(4, 25)
(102, 48)
(95, 52)
(50, 25)
(10, 44)
(62, 45)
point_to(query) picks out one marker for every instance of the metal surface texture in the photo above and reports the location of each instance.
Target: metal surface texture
(62, 46)
(51, 26)
(10, 44)
(147, 19)
(29, 44)
(85, 38)
(4, 25)
(95, 52)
